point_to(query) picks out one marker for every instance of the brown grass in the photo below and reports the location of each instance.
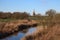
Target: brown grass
(14, 25)
(52, 33)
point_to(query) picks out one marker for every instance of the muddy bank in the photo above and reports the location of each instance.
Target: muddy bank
(15, 26)
(52, 33)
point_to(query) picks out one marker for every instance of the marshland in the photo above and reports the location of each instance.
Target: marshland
(29, 19)
(23, 26)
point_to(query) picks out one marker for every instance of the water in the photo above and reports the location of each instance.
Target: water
(31, 30)
(19, 35)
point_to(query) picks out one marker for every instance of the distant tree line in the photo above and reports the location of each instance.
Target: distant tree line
(51, 15)
(14, 15)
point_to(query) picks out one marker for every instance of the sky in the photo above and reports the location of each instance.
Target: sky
(40, 6)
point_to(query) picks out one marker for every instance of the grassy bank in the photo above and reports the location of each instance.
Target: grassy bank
(15, 26)
(7, 20)
(52, 33)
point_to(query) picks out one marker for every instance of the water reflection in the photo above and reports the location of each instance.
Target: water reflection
(19, 35)
(31, 30)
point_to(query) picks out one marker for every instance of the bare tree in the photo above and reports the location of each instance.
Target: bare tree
(51, 14)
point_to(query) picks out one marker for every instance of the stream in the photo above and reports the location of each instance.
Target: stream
(19, 35)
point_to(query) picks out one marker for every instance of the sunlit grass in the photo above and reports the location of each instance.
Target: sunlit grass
(7, 20)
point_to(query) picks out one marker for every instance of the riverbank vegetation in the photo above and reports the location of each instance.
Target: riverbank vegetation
(10, 22)
(51, 28)
(52, 33)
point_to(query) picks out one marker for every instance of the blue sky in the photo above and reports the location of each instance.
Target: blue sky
(40, 6)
